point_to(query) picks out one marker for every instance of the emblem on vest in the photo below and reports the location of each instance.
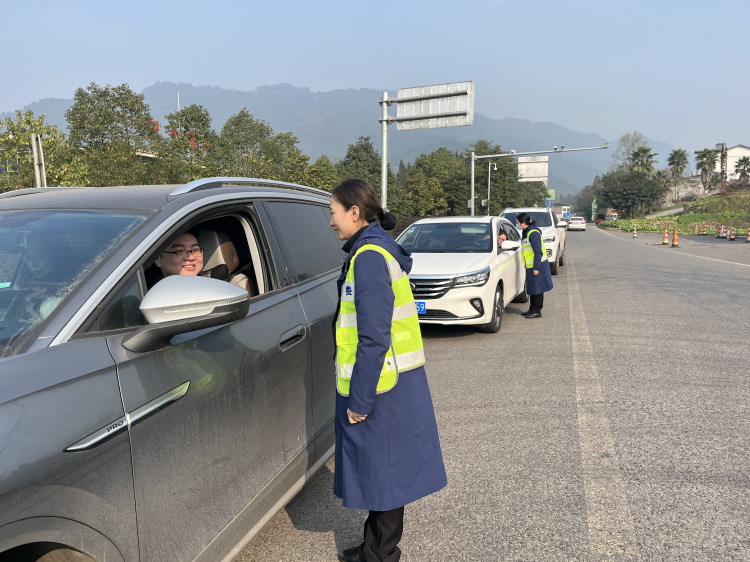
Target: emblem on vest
(349, 291)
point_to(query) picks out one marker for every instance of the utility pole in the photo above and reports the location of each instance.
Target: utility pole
(723, 169)
(40, 177)
(384, 103)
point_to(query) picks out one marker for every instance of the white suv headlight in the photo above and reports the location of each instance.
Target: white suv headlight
(473, 279)
(549, 239)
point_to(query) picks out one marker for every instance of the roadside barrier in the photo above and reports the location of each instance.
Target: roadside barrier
(732, 237)
(675, 240)
(666, 237)
(635, 232)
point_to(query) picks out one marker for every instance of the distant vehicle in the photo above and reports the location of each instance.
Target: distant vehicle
(553, 232)
(611, 216)
(149, 419)
(460, 275)
(600, 218)
(577, 223)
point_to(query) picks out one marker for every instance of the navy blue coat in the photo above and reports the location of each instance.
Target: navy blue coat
(536, 284)
(393, 457)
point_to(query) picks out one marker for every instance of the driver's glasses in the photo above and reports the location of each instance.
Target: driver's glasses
(185, 254)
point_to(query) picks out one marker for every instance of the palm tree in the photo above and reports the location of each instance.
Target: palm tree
(663, 179)
(705, 163)
(742, 167)
(642, 160)
(678, 161)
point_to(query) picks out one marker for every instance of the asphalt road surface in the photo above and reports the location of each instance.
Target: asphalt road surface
(617, 427)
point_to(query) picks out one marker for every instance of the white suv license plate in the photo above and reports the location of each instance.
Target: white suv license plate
(421, 307)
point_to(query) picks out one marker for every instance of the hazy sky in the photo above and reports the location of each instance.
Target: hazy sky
(677, 71)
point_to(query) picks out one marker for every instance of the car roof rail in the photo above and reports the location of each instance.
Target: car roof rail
(211, 183)
(32, 190)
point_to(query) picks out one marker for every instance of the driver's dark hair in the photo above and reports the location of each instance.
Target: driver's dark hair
(525, 218)
(360, 193)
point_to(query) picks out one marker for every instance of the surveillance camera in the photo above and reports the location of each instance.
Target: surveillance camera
(555, 148)
(562, 147)
(606, 145)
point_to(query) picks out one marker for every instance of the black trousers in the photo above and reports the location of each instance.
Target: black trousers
(383, 530)
(537, 302)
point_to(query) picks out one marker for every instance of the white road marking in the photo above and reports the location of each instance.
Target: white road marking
(610, 524)
(675, 253)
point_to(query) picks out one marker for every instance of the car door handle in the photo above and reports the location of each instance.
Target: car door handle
(291, 337)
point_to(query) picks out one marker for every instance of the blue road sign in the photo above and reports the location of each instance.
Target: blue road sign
(567, 215)
(549, 202)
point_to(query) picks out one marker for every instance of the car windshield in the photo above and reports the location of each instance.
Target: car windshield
(447, 237)
(540, 217)
(44, 255)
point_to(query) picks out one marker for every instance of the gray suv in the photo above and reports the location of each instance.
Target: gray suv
(161, 418)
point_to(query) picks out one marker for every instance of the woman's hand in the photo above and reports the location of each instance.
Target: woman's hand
(355, 418)
(536, 272)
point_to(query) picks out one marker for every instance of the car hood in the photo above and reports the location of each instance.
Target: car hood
(448, 264)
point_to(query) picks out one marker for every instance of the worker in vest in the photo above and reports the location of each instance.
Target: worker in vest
(534, 255)
(387, 446)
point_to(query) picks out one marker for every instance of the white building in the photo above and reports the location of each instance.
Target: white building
(733, 154)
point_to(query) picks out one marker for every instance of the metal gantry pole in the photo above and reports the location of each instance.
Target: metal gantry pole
(471, 201)
(384, 152)
(35, 156)
(489, 173)
(42, 172)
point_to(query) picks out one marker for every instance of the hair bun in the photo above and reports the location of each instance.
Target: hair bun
(388, 220)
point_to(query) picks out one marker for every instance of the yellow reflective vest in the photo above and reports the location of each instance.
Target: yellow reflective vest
(406, 352)
(527, 252)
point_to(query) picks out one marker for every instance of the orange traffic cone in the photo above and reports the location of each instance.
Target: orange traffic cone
(635, 232)
(705, 229)
(718, 232)
(666, 237)
(748, 235)
(732, 237)
(675, 240)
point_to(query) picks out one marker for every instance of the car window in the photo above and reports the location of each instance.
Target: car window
(45, 254)
(511, 232)
(542, 218)
(447, 237)
(307, 241)
(554, 218)
(122, 311)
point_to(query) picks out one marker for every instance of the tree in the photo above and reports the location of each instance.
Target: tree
(362, 161)
(742, 168)
(630, 192)
(322, 174)
(17, 160)
(426, 196)
(677, 161)
(402, 174)
(113, 126)
(626, 144)
(187, 154)
(663, 179)
(642, 160)
(705, 163)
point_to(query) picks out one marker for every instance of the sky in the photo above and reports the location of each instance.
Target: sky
(677, 71)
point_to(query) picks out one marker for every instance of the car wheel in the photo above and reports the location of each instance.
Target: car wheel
(523, 296)
(554, 266)
(497, 314)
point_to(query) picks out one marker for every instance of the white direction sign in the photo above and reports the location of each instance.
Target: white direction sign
(533, 168)
(441, 105)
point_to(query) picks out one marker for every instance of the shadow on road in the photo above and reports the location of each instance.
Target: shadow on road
(436, 332)
(317, 510)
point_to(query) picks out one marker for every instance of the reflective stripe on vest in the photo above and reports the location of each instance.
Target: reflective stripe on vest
(527, 252)
(406, 351)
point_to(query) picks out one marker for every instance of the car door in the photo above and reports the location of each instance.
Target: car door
(515, 263)
(506, 267)
(218, 423)
(313, 255)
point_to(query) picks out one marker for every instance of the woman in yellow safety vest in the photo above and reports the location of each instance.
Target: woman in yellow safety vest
(534, 255)
(387, 446)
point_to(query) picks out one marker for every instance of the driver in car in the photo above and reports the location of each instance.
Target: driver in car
(184, 256)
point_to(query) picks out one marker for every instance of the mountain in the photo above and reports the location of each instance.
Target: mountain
(327, 122)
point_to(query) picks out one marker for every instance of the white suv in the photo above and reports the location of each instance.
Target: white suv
(553, 232)
(460, 275)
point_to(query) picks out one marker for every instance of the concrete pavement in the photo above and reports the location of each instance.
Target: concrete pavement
(614, 428)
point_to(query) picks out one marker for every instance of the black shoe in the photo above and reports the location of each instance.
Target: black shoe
(353, 554)
(534, 315)
(527, 312)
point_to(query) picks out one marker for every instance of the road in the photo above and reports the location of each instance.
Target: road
(617, 427)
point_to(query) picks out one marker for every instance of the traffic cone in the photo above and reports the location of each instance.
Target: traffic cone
(732, 237)
(718, 232)
(635, 232)
(705, 229)
(724, 230)
(748, 235)
(666, 237)
(675, 240)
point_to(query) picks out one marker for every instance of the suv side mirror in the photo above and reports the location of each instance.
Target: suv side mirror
(562, 224)
(510, 245)
(183, 303)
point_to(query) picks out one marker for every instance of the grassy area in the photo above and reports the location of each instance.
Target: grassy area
(734, 202)
(685, 223)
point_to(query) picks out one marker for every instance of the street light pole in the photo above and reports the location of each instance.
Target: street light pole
(489, 165)
(471, 201)
(384, 151)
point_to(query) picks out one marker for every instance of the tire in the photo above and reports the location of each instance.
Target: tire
(497, 314)
(523, 296)
(553, 267)
(562, 257)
